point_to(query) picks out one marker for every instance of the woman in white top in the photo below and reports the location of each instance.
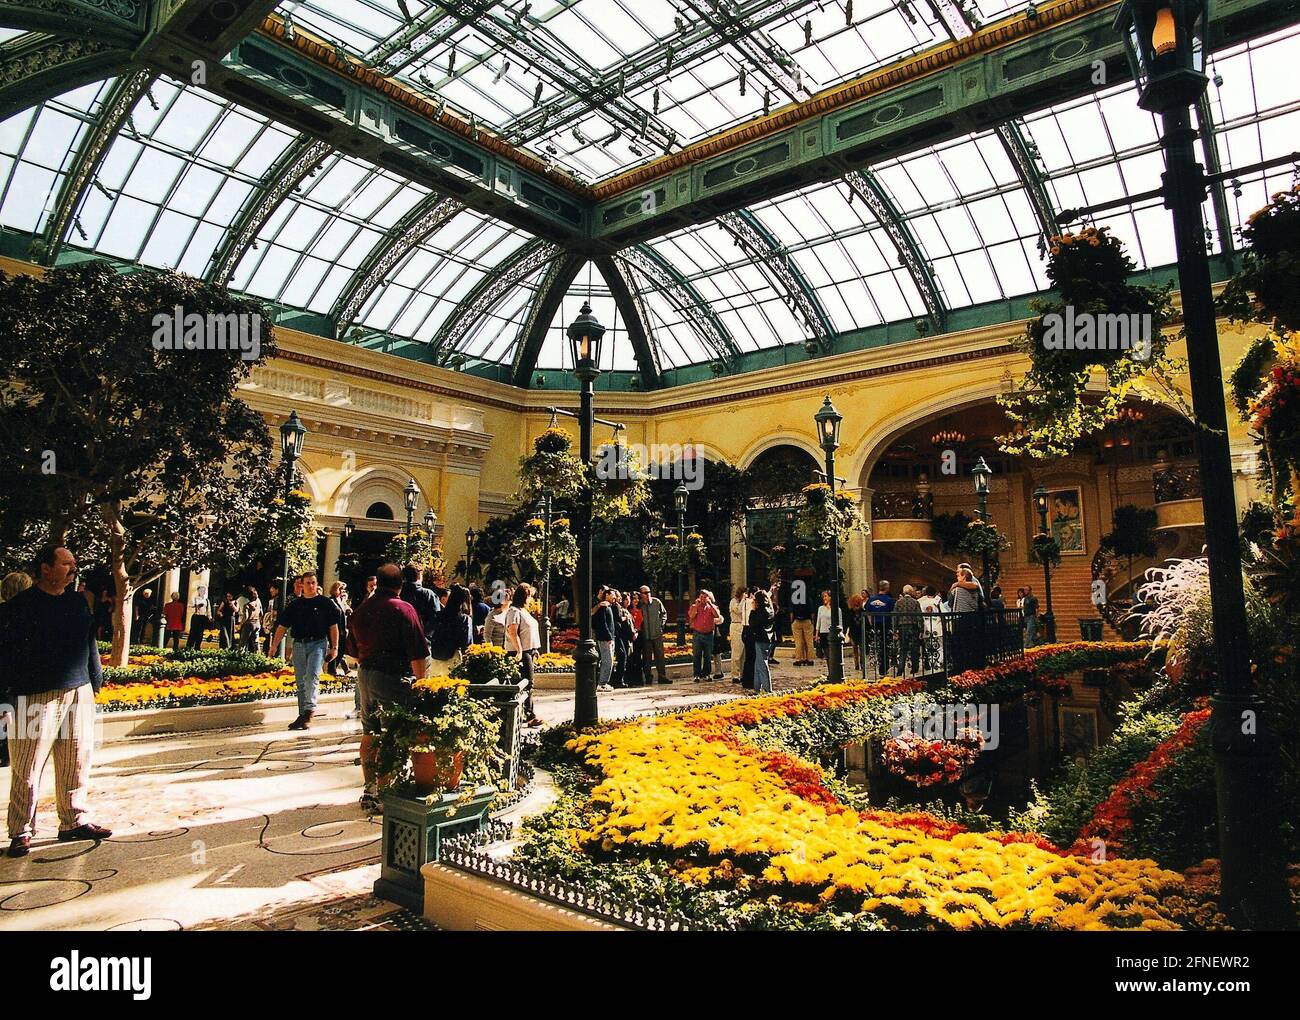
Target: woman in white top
(823, 623)
(933, 608)
(523, 638)
(737, 617)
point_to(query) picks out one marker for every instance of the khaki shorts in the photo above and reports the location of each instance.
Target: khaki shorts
(379, 690)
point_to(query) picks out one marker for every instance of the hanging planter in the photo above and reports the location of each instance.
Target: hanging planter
(824, 516)
(1267, 289)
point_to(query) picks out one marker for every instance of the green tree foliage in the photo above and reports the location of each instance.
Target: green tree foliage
(1134, 534)
(140, 458)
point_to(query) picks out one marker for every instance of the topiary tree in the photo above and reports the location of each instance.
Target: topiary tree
(1134, 534)
(128, 443)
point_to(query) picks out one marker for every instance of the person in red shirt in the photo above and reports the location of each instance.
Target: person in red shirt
(387, 640)
(704, 619)
(174, 616)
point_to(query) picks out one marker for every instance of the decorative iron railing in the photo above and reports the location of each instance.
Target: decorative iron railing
(1183, 482)
(937, 645)
(462, 852)
(898, 506)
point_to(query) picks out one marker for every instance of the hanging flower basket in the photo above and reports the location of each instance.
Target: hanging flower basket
(530, 547)
(983, 539)
(824, 516)
(1267, 289)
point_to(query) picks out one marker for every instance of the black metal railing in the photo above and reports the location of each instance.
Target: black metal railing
(465, 854)
(934, 646)
(1183, 482)
(900, 506)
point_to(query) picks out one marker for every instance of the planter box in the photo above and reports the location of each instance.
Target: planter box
(457, 900)
(146, 722)
(414, 828)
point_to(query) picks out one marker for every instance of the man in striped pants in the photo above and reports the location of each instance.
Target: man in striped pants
(48, 638)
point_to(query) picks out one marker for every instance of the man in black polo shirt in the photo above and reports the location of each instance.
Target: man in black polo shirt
(313, 620)
(52, 664)
(426, 601)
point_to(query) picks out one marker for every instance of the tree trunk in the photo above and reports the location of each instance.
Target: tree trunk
(122, 591)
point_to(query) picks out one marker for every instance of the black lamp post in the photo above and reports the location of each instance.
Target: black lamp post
(585, 334)
(680, 497)
(471, 536)
(981, 471)
(545, 622)
(411, 496)
(1165, 43)
(430, 521)
(292, 434)
(828, 434)
(1049, 618)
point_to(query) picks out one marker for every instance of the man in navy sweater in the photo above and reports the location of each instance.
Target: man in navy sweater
(48, 639)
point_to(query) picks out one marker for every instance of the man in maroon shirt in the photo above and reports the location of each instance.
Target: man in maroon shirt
(387, 640)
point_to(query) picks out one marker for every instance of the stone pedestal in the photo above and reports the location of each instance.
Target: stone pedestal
(414, 828)
(509, 701)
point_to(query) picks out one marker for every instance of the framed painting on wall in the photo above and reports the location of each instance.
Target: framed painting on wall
(1078, 730)
(1065, 518)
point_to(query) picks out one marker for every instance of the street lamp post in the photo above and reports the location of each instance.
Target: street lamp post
(292, 434)
(828, 433)
(1049, 618)
(545, 622)
(1165, 44)
(585, 334)
(411, 496)
(430, 522)
(680, 497)
(471, 537)
(981, 471)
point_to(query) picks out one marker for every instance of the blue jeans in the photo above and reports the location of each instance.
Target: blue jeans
(606, 649)
(701, 652)
(308, 661)
(762, 675)
(1031, 630)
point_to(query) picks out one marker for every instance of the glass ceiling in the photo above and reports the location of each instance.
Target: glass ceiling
(176, 178)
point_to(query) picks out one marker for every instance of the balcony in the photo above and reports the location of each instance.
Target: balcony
(901, 517)
(1178, 498)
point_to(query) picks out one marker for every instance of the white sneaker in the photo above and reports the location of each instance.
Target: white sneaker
(604, 687)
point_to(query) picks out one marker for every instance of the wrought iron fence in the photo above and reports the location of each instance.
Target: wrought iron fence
(463, 853)
(937, 645)
(897, 506)
(1183, 482)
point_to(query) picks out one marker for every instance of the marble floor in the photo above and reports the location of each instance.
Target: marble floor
(252, 827)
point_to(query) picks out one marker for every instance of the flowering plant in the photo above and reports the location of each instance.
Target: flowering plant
(983, 537)
(824, 515)
(532, 549)
(665, 556)
(929, 762)
(487, 664)
(1267, 288)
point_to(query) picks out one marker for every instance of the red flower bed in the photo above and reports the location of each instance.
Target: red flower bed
(1112, 819)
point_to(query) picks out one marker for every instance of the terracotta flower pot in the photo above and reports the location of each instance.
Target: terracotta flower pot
(437, 770)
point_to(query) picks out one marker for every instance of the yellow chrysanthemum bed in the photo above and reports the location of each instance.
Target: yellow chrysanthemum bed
(692, 785)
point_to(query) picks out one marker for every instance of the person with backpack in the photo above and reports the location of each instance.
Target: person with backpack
(453, 631)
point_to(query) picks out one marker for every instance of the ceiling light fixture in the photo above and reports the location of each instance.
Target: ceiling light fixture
(501, 72)
(537, 93)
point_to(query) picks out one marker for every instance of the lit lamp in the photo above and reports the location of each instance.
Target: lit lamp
(680, 498)
(411, 496)
(1049, 619)
(293, 433)
(585, 334)
(828, 420)
(349, 528)
(1165, 44)
(430, 519)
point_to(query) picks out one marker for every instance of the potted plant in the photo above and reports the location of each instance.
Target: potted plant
(435, 741)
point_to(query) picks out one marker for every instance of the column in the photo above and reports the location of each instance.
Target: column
(333, 547)
(198, 579)
(739, 559)
(859, 563)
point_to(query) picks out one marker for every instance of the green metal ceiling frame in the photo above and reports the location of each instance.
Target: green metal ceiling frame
(766, 252)
(487, 294)
(1213, 166)
(532, 334)
(665, 278)
(111, 117)
(425, 217)
(1023, 157)
(37, 66)
(635, 320)
(300, 159)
